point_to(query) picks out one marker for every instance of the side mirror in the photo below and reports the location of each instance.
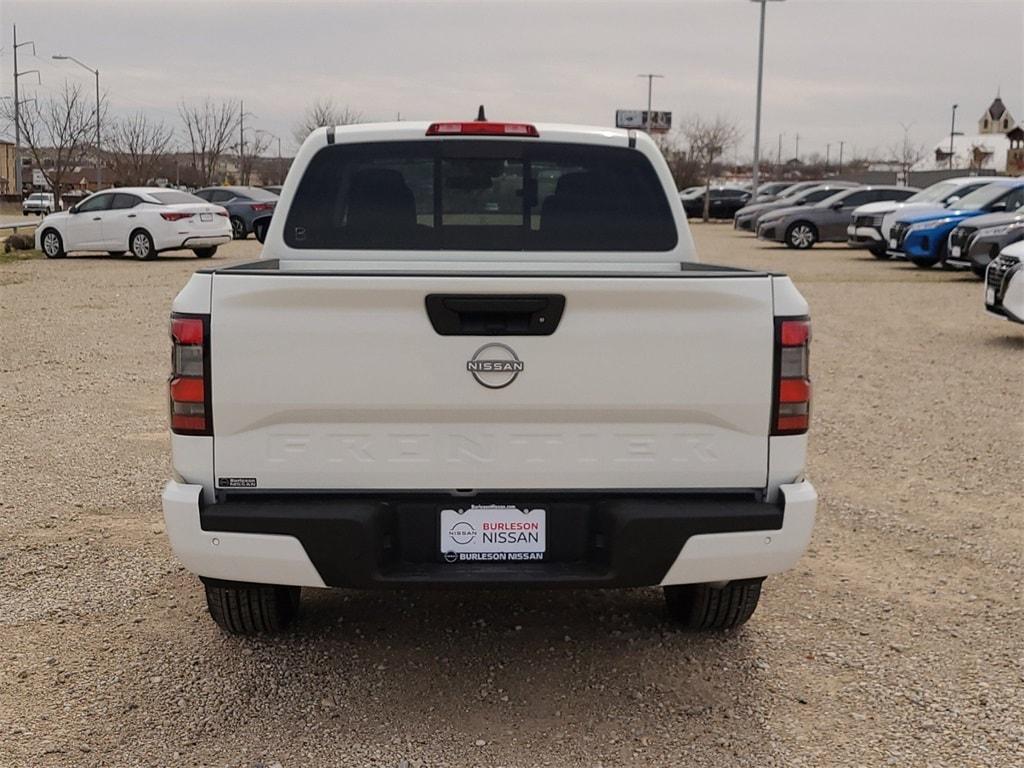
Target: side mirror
(837, 206)
(1000, 206)
(73, 209)
(952, 200)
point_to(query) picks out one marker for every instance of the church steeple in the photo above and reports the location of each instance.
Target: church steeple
(997, 118)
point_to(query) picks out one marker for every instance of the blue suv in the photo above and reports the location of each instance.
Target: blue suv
(923, 238)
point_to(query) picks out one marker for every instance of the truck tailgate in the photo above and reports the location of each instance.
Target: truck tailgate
(324, 381)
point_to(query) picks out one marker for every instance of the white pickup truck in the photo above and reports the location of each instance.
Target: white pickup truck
(485, 354)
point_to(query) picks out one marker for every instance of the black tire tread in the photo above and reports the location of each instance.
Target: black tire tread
(251, 609)
(703, 607)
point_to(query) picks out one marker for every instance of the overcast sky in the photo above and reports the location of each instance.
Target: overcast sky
(849, 70)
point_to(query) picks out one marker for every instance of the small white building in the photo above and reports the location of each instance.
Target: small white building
(983, 151)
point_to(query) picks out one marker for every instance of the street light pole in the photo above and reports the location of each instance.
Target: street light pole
(96, 72)
(757, 117)
(650, 92)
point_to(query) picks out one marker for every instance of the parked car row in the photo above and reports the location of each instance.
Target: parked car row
(971, 222)
(147, 221)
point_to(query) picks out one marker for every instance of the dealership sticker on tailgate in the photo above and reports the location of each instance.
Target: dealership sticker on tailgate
(495, 533)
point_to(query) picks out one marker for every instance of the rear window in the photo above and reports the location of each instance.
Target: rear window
(480, 195)
(174, 197)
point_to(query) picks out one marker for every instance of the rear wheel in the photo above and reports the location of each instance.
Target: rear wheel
(251, 609)
(238, 228)
(142, 245)
(708, 607)
(259, 229)
(53, 245)
(801, 235)
(205, 253)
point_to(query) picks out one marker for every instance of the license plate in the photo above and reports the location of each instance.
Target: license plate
(206, 217)
(892, 242)
(492, 533)
(990, 295)
(955, 251)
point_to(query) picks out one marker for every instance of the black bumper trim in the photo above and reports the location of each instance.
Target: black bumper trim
(391, 540)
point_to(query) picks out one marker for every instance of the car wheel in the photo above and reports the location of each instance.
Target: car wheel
(710, 607)
(259, 229)
(238, 228)
(205, 253)
(801, 235)
(53, 245)
(880, 253)
(251, 609)
(142, 245)
(924, 263)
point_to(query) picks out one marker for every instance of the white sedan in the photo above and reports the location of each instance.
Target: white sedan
(142, 220)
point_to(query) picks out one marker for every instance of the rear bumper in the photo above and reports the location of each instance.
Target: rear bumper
(594, 540)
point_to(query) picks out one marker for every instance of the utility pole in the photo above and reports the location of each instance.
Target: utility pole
(778, 160)
(796, 151)
(952, 133)
(841, 143)
(17, 109)
(828, 155)
(650, 91)
(241, 142)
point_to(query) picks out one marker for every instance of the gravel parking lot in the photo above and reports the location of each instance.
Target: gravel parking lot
(897, 641)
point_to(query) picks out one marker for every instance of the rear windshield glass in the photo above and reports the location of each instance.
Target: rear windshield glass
(480, 195)
(173, 197)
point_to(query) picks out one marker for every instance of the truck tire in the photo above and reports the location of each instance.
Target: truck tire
(251, 609)
(706, 607)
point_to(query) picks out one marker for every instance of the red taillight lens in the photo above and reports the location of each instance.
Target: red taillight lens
(791, 414)
(262, 206)
(189, 384)
(176, 216)
(481, 128)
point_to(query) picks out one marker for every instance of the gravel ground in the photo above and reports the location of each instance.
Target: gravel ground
(897, 640)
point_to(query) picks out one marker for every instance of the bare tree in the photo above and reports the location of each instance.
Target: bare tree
(57, 131)
(250, 152)
(210, 128)
(686, 172)
(907, 154)
(708, 141)
(136, 148)
(324, 112)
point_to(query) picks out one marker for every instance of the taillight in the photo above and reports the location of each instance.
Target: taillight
(262, 206)
(190, 375)
(176, 216)
(791, 413)
(482, 128)
(222, 212)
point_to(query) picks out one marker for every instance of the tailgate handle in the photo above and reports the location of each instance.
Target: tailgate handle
(495, 314)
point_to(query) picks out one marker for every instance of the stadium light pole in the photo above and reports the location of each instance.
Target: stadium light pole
(96, 72)
(760, 80)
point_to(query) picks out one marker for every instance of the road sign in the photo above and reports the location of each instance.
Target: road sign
(661, 122)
